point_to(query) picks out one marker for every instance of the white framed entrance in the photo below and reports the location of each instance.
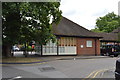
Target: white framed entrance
(67, 50)
(65, 46)
(50, 49)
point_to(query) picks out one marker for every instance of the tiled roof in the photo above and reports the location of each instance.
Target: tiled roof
(108, 36)
(113, 36)
(67, 27)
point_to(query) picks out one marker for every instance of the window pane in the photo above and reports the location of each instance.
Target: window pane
(89, 44)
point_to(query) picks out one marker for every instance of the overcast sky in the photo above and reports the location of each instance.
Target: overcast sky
(85, 12)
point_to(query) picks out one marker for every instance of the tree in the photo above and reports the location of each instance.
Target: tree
(10, 26)
(96, 30)
(108, 23)
(27, 21)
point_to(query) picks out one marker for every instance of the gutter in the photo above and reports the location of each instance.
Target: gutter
(76, 36)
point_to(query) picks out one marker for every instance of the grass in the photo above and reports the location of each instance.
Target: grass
(20, 60)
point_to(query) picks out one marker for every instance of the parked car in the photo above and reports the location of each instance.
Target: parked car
(15, 48)
(110, 50)
(117, 70)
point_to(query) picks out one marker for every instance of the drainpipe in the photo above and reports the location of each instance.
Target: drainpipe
(95, 48)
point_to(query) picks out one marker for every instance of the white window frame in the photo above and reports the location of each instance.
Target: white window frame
(89, 43)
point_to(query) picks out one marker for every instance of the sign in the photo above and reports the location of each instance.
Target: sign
(81, 46)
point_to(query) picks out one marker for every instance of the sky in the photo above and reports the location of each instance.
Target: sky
(85, 12)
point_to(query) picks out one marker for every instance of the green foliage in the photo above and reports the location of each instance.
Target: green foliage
(96, 30)
(108, 23)
(27, 21)
(10, 23)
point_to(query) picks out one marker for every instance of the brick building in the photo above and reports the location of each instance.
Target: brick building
(73, 39)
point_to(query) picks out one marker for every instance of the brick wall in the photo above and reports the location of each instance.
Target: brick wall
(98, 46)
(82, 49)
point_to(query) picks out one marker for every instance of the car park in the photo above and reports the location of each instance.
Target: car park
(117, 70)
(109, 50)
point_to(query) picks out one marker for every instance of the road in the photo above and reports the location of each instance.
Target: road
(86, 68)
(71, 68)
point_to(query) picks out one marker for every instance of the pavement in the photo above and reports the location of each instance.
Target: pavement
(35, 59)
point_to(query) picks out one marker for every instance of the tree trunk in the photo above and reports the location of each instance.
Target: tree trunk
(26, 52)
(6, 51)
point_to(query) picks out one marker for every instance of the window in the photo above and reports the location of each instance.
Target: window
(89, 44)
